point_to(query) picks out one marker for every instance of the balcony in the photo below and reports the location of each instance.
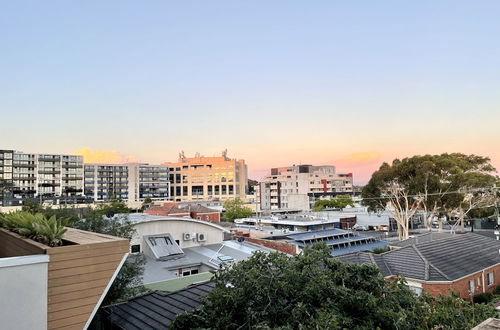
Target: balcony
(72, 165)
(49, 171)
(48, 158)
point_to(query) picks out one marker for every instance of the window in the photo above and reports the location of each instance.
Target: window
(135, 248)
(489, 277)
(471, 286)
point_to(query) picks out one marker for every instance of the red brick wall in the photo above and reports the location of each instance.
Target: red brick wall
(279, 246)
(212, 217)
(164, 212)
(346, 223)
(461, 287)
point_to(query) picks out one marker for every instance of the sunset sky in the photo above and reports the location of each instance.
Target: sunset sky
(348, 83)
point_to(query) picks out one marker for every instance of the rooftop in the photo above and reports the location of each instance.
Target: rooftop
(445, 259)
(156, 310)
(427, 237)
(209, 256)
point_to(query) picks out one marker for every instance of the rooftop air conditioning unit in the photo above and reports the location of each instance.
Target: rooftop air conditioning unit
(188, 236)
(201, 237)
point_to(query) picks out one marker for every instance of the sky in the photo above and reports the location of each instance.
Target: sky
(348, 83)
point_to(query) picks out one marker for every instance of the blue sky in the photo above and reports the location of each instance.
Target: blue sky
(275, 82)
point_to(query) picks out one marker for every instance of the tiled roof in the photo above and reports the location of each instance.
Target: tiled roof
(156, 310)
(427, 237)
(199, 209)
(167, 209)
(441, 260)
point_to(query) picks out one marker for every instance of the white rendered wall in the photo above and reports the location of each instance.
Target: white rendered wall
(177, 228)
(23, 292)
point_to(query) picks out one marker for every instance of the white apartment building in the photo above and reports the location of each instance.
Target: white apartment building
(297, 187)
(207, 178)
(133, 182)
(54, 177)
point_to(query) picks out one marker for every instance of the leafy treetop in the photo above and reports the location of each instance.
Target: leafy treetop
(315, 291)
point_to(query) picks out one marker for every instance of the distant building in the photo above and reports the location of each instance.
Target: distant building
(132, 182)
(172, 209)
(467, 264)
(54, 177)
(297, 187)
(288, 223)
(207, 178)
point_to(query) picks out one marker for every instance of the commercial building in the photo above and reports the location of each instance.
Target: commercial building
(133, 182)
(297, 187)
(53, 177)
(467, 264)
(207, 178)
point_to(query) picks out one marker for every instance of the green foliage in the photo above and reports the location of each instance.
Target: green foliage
(380, 250)
(339, 202)
(251, 185)
(497, 290)
(450, 313)
(32, 207)
(433, 174)
(483, 298)
(128, 282)
(38, 227)
(315, 291)
(234, 209)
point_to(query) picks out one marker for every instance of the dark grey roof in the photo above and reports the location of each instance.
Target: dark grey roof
(441, 260)
(427, 237)
(157, 309)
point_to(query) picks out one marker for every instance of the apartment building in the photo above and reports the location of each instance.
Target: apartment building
(297, 187)
(53, 177)
(127, 182)
(207, 178)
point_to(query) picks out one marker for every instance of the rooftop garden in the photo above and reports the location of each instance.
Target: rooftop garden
(38, 227)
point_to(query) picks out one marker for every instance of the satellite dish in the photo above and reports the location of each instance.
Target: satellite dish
(241, 239)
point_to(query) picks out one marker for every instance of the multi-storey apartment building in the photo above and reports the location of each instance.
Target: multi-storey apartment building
(298, 186)
(127, 182)
(54, 177)
(205, 178)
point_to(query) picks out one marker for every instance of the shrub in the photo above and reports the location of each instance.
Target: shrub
(483, 298)
(380, 250)
(497, 290)
(48, 231)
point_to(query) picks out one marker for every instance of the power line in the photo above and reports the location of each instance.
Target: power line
(437, 194)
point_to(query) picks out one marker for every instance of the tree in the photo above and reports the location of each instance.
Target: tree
(315, 291)
(234, 209)
(146, 204)
(251, 186)
(339, 202)
(435, 184)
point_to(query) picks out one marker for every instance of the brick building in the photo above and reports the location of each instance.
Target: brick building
(468, 264)
(193, 211)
